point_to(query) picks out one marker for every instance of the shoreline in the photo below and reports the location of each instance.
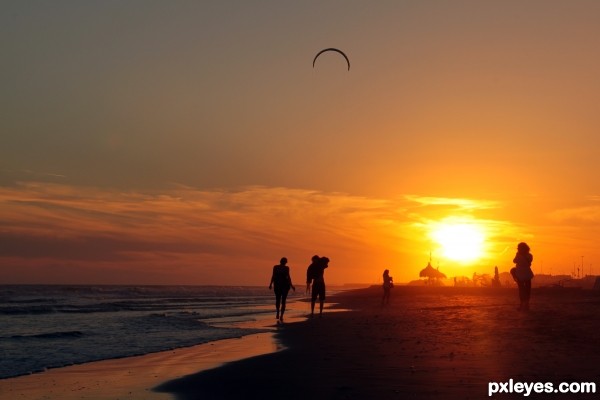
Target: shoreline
(53, 326)
(133, 377)
(429, 343)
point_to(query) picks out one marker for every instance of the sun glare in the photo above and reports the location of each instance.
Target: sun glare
(462, 242)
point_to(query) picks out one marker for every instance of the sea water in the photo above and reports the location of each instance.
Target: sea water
(53, 326)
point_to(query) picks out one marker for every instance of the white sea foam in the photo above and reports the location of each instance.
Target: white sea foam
(52, 326)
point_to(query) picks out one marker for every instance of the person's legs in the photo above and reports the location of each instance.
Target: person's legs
(524, 293)
(520, 286)
(321, 299)
(386, 296)
(527, 293)
(277, 302)
(283, 299)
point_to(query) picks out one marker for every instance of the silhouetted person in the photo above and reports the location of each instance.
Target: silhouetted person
(523, 274)
(388, 283)
(283, 282)
(314, 261)
(314, 274)
(496, 280)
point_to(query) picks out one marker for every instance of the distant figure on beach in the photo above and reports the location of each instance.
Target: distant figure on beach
(522, 274)
(388, 283)
(496, 281)
(314, 275)
(283, 282)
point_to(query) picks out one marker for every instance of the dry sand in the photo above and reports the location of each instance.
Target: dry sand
(429, 343)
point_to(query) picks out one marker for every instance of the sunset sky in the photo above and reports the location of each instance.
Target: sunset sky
(193, 142)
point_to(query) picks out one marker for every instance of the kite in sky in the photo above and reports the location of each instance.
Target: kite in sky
(332, 49)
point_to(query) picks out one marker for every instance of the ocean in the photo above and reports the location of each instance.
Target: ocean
(47, 326)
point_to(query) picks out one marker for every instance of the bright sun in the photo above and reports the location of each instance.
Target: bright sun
(462, 242)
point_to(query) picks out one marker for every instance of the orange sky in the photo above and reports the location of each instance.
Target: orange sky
(62, 234)
(193, 143)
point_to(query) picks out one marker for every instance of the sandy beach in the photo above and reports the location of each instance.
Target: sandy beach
(132, 377)
(429, 343)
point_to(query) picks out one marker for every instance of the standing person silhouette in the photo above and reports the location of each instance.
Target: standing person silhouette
(309, 271)
(523, 274)
(314, 274)
(388, 283)
(283, 282)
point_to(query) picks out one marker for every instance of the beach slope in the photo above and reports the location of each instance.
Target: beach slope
(429, 343)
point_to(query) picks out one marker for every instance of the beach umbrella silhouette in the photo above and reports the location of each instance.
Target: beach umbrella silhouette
(431, 273)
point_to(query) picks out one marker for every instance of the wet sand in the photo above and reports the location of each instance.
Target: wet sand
(429, 343)
(132, 378)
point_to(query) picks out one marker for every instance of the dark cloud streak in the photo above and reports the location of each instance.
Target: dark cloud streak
(95, 248)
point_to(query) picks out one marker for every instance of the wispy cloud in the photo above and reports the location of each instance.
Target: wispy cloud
(586, 214)
(28, 174)
(184, 226)
(463, 204)
(198, 236)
